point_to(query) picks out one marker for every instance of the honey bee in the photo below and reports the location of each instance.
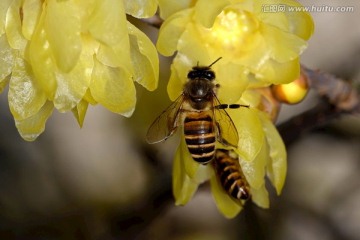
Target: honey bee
(201, 114)
(230, 174)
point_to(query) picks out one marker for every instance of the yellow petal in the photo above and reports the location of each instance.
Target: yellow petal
(253, 53)
(283, 46)
(233, 81)
(13, 26)
(30, 128)
(171, 31)
(6, 58)
(263, 10)
(72, 86)
(260, 197)
(80, 111)
(4, 5)
(62, 27)
(276, 168)
(107, 23)
(31, 14)
(179, 70)
(254, 171)
(116, 56)
(193, 46)
(41, 59)
(190, 166)
(206, 18)
(183, 187)
(25, 98)
(279, 73)
(169, 7)
(140, 8)
(4, 83)
(144, 58)
(89, 98)
(113, 88)
(251, 135)
(300, 22)
(226, 205)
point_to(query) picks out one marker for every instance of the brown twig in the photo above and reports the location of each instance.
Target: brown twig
(338, 98)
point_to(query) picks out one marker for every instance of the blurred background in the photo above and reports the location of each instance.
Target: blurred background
(104, 182)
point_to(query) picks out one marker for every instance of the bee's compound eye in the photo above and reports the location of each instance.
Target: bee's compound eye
(192, 75)
(210, 75)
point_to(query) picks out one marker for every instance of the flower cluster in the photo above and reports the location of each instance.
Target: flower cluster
(259, 49)
(67, 54)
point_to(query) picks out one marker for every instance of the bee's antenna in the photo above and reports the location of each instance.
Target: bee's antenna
(215, 61)
(197, 63)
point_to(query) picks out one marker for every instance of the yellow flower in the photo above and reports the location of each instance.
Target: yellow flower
(258, 47)
(261, 154)
(67, 54)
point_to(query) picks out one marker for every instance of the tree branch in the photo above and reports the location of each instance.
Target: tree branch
(338, 97)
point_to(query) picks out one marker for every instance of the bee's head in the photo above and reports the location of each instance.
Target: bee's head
(201, 73)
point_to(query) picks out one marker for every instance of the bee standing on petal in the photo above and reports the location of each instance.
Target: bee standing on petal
(201, 114)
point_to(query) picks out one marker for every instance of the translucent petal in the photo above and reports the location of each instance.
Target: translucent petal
(80, 111)
(260, 197)
(72, 86)
(31, 14)
(30, 128)
(89, 98)
(6, 58)
(171, 31)
(183, 187)
(276, 169)
(13, 26)
(141, 8)
(253, 54)
(207, 17)
(63, 35)
(25, 98)
(144, 58)
(41, 59)
(279, 73)
(113, 88)
(190, 166)
(169, 7)
(250, 132)
(4, 5)
(226, 205)
(233, 81)
(254, 171)
(107, 23)
(301, 24)
(117, 55)
(283, 46)
(193, 45)
(264, 13)
(179, 70)
(4, 83)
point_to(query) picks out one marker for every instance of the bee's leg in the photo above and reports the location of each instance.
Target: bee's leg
(222, 106)
(238, 105)
(232, 106)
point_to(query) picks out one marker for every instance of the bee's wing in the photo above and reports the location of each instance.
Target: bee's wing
(166, 123)
(227, 133)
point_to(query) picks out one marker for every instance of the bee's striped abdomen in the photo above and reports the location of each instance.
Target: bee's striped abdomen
(200, 137)
(231, 176)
